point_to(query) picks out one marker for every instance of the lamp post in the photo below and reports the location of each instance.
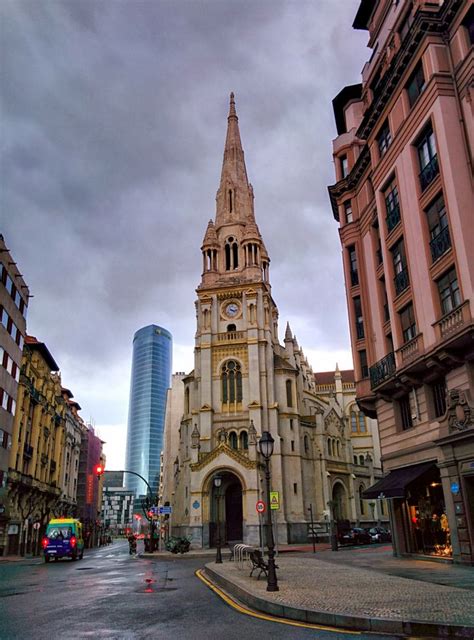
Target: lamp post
(265, 445)
(217, 484)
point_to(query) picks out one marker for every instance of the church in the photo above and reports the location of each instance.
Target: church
(245, 382)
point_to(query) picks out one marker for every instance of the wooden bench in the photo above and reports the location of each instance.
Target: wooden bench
(258, 562)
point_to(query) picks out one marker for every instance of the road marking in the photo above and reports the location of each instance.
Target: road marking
(263, 616)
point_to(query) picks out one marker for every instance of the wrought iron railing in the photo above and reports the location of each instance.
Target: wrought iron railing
(382, 370)
(440, 244)
(429, 172)
(401, 281)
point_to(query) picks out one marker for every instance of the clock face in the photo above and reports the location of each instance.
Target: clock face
(232, 309)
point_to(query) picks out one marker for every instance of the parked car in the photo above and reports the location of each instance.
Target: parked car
(380, 534)
(356, 535)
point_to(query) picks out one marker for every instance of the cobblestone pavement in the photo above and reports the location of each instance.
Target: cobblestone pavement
(335, 587)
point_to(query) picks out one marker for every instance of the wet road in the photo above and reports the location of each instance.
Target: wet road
(110, 594)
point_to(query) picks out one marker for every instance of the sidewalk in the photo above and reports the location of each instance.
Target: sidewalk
(362, 588)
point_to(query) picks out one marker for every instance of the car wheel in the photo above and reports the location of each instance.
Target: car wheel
(46, 558)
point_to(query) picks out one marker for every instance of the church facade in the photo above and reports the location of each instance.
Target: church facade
(245, 382)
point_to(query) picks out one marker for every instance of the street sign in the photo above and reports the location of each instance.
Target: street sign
(260, 506)
(36, 525)
(274, 500)
(165, 511)
(154, 510)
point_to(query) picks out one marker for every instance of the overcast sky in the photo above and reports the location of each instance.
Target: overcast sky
(113, 124)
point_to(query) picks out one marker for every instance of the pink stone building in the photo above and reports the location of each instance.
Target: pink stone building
(404, 202)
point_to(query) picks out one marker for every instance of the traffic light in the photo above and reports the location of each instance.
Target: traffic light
(99, 470)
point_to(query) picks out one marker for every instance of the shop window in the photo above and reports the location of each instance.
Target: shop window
(392, 206)
(348, 211)
(449, 294)
(354, 270)
(415, 84)
(408, 323)
(440, 240)
(289, 393)
(427, 157)
(384, 139)
(401, 279)
(359, 320)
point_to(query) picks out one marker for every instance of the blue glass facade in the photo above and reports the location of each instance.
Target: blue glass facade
(151, 378)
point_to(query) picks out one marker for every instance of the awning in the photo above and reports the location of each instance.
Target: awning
(395, 483)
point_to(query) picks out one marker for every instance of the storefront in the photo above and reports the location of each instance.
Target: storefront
(418, 514)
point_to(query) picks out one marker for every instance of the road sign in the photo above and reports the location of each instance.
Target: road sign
(274, 500)
(36, 525)
(165, 511)
(154, 510)
(260, 506)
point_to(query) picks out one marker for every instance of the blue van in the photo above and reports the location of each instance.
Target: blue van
(63, 539)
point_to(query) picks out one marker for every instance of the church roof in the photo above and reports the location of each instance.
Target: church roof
(327, 377)
(281, 363)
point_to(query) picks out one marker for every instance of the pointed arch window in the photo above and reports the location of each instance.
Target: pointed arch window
(289, 393)
(186, 401)
(231, 378)
(244, 440)
(361, 501)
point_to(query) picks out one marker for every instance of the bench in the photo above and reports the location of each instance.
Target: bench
(258, 562)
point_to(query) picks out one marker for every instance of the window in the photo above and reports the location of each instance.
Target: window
(231, 327)
(344, 166)
(361, 501)
(362, 424)
(295, 488)
(448, 287)
(244, 440)
(348, 211)
(353, 265)
(415, 84)
(231, 378)
(291, 424)
(292, 445)
(289, 393)
(306, 444)
(330, 447)
(392, 206)
(438, 393)
(364, 367)
(440, 240)
(401, 279)
(427, 158)
(405, 412)
(384, 139)
(358, 422)
(386, 310)
(233, 440)
(231, 254)
(186, 400)
(359, 320)
(353, 422)
(408, 324)
(468, 23)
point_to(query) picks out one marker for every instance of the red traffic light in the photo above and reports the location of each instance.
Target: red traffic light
(99, 470)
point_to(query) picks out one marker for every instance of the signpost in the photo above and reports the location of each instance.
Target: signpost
(260, 506)
(274, 500)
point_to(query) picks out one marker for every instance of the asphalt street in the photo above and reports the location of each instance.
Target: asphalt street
(110, 594)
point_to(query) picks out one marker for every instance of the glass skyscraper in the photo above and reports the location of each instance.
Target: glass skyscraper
(151, 378)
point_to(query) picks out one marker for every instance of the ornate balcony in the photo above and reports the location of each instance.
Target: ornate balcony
(393, 218)
(429, 172)
(454, 321)
(382, 370)
(440, 244)
(411, 349)
(231, 336)
(401, 281)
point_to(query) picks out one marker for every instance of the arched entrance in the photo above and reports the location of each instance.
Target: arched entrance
(228, 500)
(339, 501)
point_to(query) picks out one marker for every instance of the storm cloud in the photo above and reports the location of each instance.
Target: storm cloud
(112, 133)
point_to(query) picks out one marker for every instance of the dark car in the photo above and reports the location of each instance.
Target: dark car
(356, 536)
(379, 534)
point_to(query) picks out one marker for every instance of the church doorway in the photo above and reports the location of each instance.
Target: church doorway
(339, 501)
(226, 511)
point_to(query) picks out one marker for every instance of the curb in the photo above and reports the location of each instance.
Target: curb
(359, 623)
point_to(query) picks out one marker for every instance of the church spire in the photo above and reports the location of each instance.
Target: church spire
(234, 198)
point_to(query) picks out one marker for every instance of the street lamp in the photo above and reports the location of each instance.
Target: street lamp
(265, 445)
(217, 484)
